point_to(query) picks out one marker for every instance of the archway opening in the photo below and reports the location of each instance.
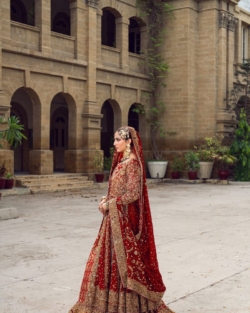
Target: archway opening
(60, 17)
(107, 124)
(109, 27)
(23, 11)
(243, 103)
(59, 128)
(22, 107)
(133, 118)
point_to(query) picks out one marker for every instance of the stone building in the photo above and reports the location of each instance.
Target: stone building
(72, 71)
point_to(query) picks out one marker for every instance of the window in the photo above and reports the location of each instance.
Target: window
(244, 43)
(134, 37)
(108, 28)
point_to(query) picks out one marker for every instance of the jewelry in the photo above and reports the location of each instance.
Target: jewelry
(124, 133)
(102, 198)
(126, 153)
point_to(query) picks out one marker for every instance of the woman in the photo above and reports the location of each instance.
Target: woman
(122, 274)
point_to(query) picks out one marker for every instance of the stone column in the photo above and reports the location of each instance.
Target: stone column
(122, 25)
(43, 21)
(41, 157)
(6, 154)
(91, 116)
(5, 21)
(222, 59)
(78, 18)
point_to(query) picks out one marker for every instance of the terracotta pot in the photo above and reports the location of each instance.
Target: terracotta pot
(9, 184)
(176, 175)
(99, 178)
(192, 175)
(2, 182)
(223, 174)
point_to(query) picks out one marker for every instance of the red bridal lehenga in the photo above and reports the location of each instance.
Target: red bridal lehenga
(122, 274)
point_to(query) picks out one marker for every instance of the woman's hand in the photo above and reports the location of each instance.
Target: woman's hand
(103, 206)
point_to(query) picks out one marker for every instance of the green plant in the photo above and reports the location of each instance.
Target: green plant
(156, 12)
(98, 161)
(9, 176)
(108, 160)
(207, 152)
(13, 132)
(192, 161)
(225, 159)
(3, 169)
(178, 164)
(240, 148)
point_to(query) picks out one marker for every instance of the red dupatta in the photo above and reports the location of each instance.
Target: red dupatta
(136, 254)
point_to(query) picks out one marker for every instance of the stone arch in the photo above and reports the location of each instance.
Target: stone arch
(24, 102)
(108, 27)
(133, 117)
(62, 128)
(113, 5)
(110, 122)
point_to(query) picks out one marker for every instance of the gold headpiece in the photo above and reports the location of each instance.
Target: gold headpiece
(124, 133)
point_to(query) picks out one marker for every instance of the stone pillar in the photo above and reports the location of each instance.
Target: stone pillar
(122, 25)
(5, 21)
(222, 60)
(41, 157)
(78, 18)
(90, 115)
(6, 155)
(43, 21)
(99, 36)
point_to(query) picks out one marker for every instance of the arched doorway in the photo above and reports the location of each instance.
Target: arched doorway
(133, 118)
(107, 125)
(22, 107)
(59, 131)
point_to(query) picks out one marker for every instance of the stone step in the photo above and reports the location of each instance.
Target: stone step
(49, 189)
(63, 175)
(54, 182)
(35, 182)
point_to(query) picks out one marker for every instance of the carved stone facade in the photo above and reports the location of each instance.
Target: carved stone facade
(72, 91)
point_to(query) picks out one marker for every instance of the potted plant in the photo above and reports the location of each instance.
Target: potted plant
(192, 161)
(225, 160)
(9, 183)
(98, 165)
(207, 153)
(178, 166)
(3, 170)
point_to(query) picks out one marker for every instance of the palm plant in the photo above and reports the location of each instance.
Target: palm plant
(13, 132)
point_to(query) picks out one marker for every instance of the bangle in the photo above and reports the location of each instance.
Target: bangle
(107, 205)
(103, 197)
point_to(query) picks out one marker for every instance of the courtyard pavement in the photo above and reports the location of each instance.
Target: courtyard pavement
(202, 234)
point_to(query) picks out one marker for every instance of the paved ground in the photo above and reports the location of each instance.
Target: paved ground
(202, 235)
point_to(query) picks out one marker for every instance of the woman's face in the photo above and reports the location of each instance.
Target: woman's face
(120, 144)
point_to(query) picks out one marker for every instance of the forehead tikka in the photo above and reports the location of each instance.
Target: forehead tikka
(123, 133)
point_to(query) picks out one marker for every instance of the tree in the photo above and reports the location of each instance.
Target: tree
(156, 12)
(13, 131)
(240, 148)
